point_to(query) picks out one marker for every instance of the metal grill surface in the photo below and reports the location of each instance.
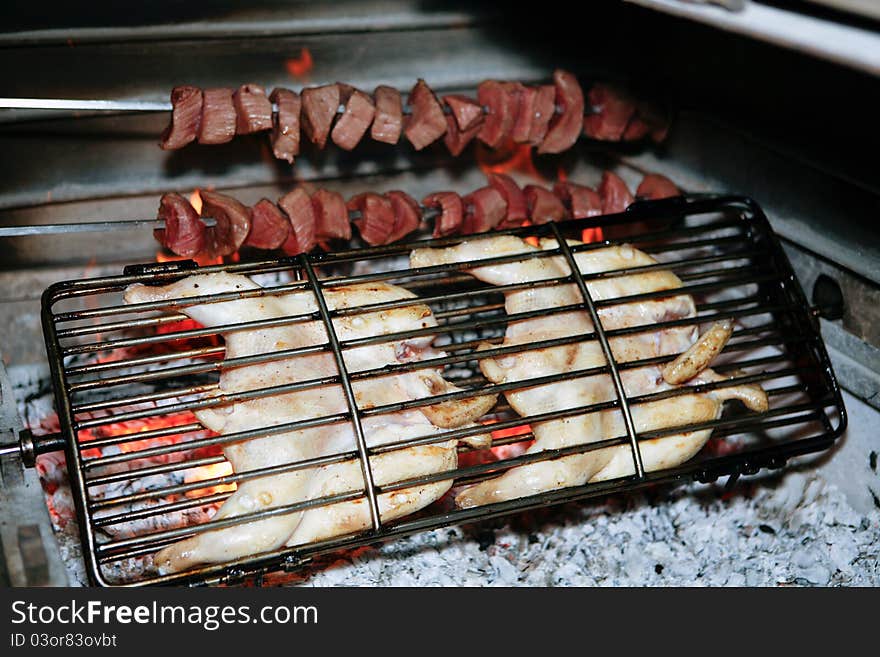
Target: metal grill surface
(127, 379)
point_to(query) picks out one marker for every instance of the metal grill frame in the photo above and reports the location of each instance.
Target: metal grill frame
(825, 396)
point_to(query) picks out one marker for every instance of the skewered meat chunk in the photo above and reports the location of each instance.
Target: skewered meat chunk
(467, 112)
(517, 209)
(253, 110)
(565, 127)
(484, 209)
(184, 232)
(615, 195)
(427, 123)
(544, 109)
(285, 124)
(269, 226)
(233, 223)
(456, 140)
(388, 122)
(319, 105)
(297, 205)
(576, 391)
(331, 216)
(580, 200)
(544, 205)
(451, 212)
(377, 217)
(407, 215)
(257, 413)
(502, 100)
(654, 186)
(612, 109)
(218, 117)
(186, 117)
(358, 115)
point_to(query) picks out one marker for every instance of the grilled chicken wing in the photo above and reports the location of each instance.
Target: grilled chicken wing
(582, 389)
(291, 486)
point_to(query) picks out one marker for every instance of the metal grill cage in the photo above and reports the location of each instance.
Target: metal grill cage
(146, 474)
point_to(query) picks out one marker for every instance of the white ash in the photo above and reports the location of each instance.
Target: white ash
(795, 531)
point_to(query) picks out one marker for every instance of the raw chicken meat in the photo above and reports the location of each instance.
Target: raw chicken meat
(291, 446)
(579, 391)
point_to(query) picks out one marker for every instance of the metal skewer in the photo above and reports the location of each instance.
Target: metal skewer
(131, 224)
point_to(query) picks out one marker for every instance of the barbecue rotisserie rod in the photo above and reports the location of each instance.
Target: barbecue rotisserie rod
(550, 117)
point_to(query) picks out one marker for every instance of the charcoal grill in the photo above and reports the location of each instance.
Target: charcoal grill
(722, 248)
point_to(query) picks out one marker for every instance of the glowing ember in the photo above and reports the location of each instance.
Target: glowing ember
(300, 67)
(206, 472)
(592, 235)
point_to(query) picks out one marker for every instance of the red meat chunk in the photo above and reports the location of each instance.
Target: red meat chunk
(233, 223)
(544, 205)
(655, 186)
(331, 216)
(253, 110)
(467, 112)
(184, 232)
(451, 212)
(484, 209)
(351, 126)
(285, 127)
(297, 205)
(580, 200)
(319, 106)
(502, 100)
(388, 121)
(186, 117)
(456, 140)
(615, 195)
(544, 110)
(407, 215)
(517, 210)
(612, 111)
(218, 117)
(269, 226)
(566, 127)
(377, 217)
(427, 123)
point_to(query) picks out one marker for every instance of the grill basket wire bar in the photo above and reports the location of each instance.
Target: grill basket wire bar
(348, 391)
(778, 296)
(599, 330)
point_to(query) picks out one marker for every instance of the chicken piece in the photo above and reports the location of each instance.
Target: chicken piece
(696, 359)
(286, 488)
(579, 391)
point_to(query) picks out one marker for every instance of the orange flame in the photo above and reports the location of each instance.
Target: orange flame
(592, 235)
(195, 199)
(509, 158)
(300, 67)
